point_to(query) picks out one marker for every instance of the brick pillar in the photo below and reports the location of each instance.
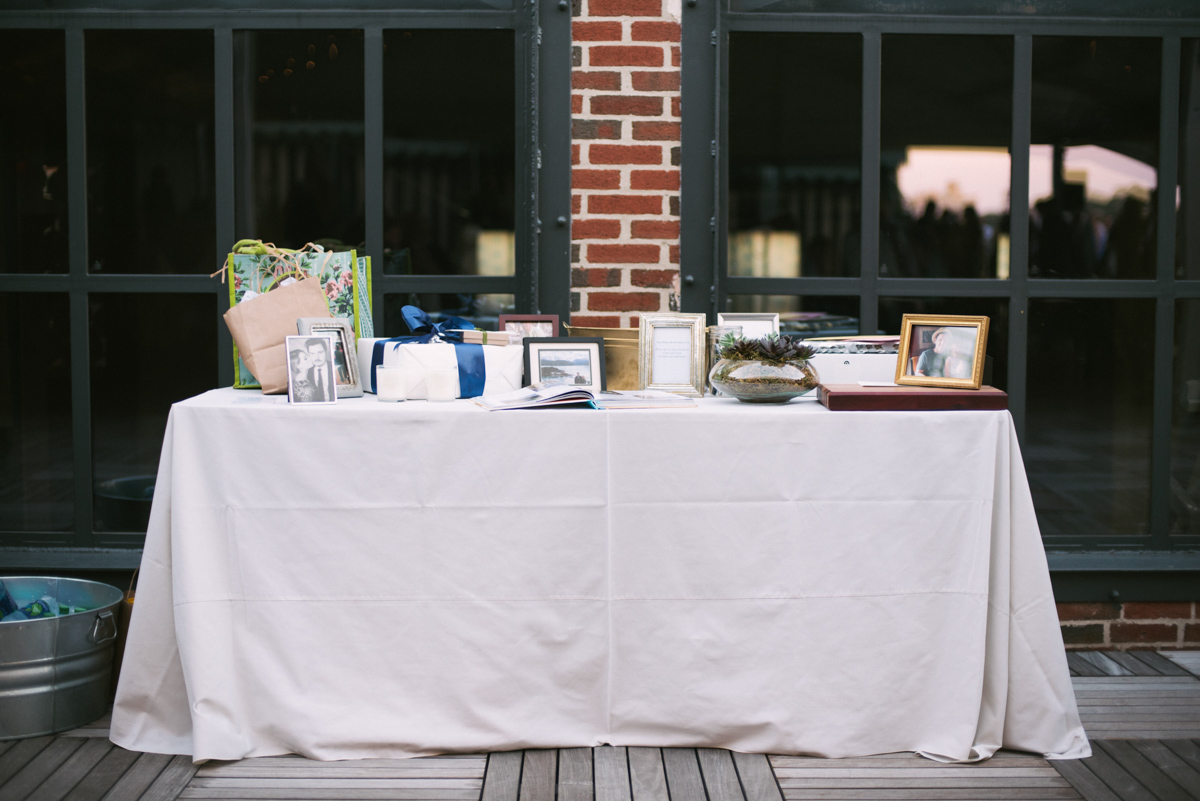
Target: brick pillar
(625, 152)
(1133, 625)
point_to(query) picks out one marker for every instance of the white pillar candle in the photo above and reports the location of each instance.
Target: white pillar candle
(441, 384)
(390, 383)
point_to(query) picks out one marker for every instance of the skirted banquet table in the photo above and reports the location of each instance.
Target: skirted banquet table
(374, 579)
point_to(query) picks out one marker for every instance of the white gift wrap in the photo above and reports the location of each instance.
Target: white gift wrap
(504, 365)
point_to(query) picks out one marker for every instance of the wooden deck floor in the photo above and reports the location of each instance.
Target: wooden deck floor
(1141, 709)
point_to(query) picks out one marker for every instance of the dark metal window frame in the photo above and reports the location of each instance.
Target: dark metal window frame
(706, 283)
(542, 70)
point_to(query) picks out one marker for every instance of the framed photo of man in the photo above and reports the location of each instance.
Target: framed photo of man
(311, 377)
(345, 355)
(942, 351)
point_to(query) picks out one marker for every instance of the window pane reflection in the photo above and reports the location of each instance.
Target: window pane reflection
(946, 117)
(1087, 434)
(482, 310)
(892, 311)
(1187, 224)
(795, 141)
(809, 316)
(449, 144)
(36, 488)
(33, 152)
(299, 136)
(1185, 421)
(151, 191)
(1093, 166)
(147, 352)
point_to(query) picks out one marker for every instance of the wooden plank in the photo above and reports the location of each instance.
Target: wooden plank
(290, 763)
(5, 745)
(1187, 751)
(170, 783)
(330, 794)
(1115, 777)
(1081, 666)
(952, 794)
(72, 771)
(1101, 662)
(375, 784)
(97, 728)
(339, 770)
(611, 766)
(1158, 662)
(20, 755)
(758, 780)
(1143, 770)
(916, 780)
(720, 776)
(137, 779)
(40, 768)
(1131, 663)
(683, 774)
(539, 775)
(911, 761)
(647, 776)
(1131, 700)
(502, 779)
(1167, 761)
(1136, 681)
(575, 782)
(1188, 660)
(935, 771)
(103, 776)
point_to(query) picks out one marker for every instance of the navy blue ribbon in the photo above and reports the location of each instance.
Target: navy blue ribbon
(471, 369)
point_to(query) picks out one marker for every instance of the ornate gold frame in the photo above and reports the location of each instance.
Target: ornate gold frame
(646, 325)
(943, 320)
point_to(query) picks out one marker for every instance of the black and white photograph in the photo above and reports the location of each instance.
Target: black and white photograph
(565, 361)
(345, 358)
(311, 377)
(942, 351)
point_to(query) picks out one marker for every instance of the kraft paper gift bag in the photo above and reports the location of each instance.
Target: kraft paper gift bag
(260, 326)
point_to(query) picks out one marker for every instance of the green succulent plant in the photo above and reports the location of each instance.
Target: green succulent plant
(773, 349)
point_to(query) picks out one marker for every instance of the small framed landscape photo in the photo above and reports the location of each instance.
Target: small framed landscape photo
(942, 351)
(558, 361)
(529, 325)
(671, 353)
(310, 369)
(345, 358)
(755, 325)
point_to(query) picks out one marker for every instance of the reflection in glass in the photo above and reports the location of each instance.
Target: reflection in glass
(946, 117)
(482, 310)
(36, 489)
(449, 152)
(892, 311)
(151, 190)
(795, 141)
(298, 111)
(809, 316)
(1093, 164)
(147, 352)
(1185, 420)
(1087, 436)
(33, 152)
(1187, 225)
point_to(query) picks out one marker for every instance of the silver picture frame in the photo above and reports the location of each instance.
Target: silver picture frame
(671, 353)
(755, 325)
(349, 385)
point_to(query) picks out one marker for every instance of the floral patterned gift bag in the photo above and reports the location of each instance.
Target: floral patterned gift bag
(255, 267)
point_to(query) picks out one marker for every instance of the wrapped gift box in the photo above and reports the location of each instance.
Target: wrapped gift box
(503, 365)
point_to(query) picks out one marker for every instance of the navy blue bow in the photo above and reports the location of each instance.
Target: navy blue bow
(471, 369)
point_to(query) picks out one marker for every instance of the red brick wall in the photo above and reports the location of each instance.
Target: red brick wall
(1130, 625)
(625, 154)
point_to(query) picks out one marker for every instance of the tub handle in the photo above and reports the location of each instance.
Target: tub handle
(110, 623)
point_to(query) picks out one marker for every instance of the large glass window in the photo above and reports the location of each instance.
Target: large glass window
(946, 123)
(1187, 223)
(151, 194)
(1185, 420)
(795, 154)
(33, 152)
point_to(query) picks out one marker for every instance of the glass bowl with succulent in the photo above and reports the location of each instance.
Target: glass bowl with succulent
(773, 369)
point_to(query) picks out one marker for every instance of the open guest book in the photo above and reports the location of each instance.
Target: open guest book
(533, 397)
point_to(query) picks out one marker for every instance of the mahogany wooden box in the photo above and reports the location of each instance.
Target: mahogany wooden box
(855, 398)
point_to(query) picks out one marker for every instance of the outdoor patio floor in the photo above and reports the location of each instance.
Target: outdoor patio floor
(1141, 709)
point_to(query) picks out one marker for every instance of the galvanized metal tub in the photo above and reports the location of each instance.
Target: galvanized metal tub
(55, 671)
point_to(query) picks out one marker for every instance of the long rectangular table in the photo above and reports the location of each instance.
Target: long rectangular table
(381, 580)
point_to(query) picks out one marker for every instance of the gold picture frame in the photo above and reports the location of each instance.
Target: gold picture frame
(942, 350)
(671, 353)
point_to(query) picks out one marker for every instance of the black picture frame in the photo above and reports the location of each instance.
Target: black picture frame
(567, 343)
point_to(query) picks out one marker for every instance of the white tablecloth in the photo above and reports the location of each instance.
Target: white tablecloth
(381, 580)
